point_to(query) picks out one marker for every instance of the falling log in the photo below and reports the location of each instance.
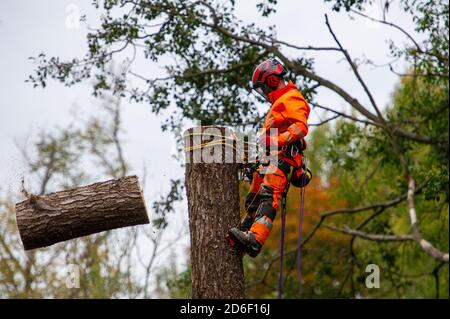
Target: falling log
(212, 188)
(49, 219)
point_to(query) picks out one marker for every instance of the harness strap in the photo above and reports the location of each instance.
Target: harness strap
(285, 167)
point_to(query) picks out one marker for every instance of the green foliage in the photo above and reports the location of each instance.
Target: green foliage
(422, 106)
(373, 171)
(267, 7)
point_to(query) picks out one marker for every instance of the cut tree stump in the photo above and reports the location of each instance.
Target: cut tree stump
(212, 188)
(49, 219)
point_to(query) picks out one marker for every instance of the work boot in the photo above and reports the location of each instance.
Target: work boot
(245, 241)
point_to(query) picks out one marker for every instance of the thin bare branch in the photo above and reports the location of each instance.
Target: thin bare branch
(355, 119)
(303, 48)
(328, 84)
(325, 121)
(374, 237)
(402, 30)
(424, 244)
(355, 70)
(395, 26)
(426, 75)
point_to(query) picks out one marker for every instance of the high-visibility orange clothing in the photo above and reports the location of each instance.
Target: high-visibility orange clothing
(289, 114)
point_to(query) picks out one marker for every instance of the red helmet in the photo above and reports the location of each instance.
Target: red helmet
(267, 76)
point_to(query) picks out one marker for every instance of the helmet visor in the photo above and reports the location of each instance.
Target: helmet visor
(261, 92)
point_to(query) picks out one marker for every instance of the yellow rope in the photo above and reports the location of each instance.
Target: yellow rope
(223, 138)
(222, 141)
(211, 143)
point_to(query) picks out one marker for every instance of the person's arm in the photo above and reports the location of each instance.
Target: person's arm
(297, 113)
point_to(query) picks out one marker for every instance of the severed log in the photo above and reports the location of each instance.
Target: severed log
(49, 219)
(212, 188)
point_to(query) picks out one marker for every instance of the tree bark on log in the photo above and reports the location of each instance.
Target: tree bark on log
(212, 188)
(48, 219)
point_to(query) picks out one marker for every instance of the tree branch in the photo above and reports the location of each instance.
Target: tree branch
(374, 237)
(391, 68)
(416, 44)
(416, 137)
(325, 121)
(304, 48)
(355, 69)
(328, 84)
(355, 119)
(409, 36)
(424, 244)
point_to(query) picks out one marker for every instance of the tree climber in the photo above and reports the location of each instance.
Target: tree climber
(288, 114)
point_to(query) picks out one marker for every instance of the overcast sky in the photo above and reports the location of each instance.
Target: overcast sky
(30, 27)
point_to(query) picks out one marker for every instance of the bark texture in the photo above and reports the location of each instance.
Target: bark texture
(52, 218)
(213, 202)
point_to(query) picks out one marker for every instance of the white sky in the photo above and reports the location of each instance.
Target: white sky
(30, 27)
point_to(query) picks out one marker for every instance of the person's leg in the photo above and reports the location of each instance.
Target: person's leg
(252, 201)
(272, 189)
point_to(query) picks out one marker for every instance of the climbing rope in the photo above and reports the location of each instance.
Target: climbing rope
(283, 230)
(299, 240)
(224, 140)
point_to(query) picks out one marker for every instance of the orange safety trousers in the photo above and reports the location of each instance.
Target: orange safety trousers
(263, 199)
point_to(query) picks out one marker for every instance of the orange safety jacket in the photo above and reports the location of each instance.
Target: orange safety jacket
(289, 114)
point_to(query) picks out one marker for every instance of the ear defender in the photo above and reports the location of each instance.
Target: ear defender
(273, 81)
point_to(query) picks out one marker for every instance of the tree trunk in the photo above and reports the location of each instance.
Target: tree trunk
(212, 188)
(49, 219)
